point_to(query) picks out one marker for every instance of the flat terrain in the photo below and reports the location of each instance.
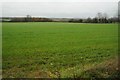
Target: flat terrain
(59, 50)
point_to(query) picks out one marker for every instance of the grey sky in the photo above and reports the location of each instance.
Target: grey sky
(59, 9)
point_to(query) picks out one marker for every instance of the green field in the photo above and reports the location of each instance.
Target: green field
(42, 49)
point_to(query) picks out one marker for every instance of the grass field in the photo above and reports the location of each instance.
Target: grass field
(59, 50)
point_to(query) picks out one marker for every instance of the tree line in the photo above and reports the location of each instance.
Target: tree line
(28, 18)
(100, 18)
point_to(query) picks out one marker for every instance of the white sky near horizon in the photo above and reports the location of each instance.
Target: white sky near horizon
(59, 1)
(60, 9)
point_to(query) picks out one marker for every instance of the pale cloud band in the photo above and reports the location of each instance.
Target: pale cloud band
(59, 0)
(59, 9)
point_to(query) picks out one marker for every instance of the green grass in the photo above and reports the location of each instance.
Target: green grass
(56, 49)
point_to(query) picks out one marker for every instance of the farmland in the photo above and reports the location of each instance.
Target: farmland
(52, 50)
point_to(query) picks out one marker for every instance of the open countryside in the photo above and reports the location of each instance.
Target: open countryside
(59, 50)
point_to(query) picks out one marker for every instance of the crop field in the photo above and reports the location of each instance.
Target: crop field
(59, 50)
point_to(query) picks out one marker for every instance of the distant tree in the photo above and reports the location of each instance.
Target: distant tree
(72, 20)
(99, 16)
(80, 20)
(28, 18)
(105, 15)
(105, 18)
(89, 20)
(95, 20)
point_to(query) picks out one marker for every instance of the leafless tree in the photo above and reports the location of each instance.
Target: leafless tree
(28, 18)
(99, 16)
(105, 16)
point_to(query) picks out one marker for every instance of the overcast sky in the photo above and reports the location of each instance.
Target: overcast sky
(59, 9)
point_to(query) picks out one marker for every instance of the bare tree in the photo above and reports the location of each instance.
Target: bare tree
(99, 16)
(28, 18)
(105, 16)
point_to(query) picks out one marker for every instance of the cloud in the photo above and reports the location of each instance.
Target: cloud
(59, 9)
